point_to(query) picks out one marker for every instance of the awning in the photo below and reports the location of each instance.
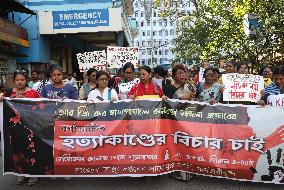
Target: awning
(13, 54)
(12, 5)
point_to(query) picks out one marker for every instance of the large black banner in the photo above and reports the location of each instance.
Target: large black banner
(138, 138)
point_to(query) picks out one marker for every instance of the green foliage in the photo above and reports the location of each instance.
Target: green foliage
(215, 30)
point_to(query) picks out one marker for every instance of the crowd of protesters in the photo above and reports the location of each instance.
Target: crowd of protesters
(99, 86)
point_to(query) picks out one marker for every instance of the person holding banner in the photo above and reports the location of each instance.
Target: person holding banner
(146, 88)
(128, 82)
(102, 93)
(275, 88)
(86, 88)
(58, 90)
(209, 91)
(180, 89)
(21, 91)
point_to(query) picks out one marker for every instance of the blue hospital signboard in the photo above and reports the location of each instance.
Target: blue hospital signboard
(80, 18)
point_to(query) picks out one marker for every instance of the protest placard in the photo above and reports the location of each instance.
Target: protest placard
(118, 56)
(95, 59)
(201, 74)
(242, 87)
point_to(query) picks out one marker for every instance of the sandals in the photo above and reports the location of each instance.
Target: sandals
(21, 180)
(182, 176)
(32, 181)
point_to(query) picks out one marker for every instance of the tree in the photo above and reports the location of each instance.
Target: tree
(214, 30)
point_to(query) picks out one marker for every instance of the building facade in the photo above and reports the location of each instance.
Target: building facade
(12, 37)
(62, 28)
(156, 36)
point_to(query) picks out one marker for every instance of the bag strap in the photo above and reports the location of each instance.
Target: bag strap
(156, 86)
(109, 94)
(9, 92)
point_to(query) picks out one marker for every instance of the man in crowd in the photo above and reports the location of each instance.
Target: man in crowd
(34, 79)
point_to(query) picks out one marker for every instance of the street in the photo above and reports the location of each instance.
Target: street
(158, 183)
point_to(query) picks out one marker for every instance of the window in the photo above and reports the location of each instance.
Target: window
(154, 33)
(149, 52)
(142, 23)
(171, 32)
(136, 14)
(156, 52)
(160, 52)
(137, 43)
(148, 23)
(143, 43)
(160, 24)
(155, 14)
(166, 52)
(149, 43)
(148, 33)
(136, 5)
(143, 61)
(160, 33)
(143, 33)
(166, 33)
(154, 23)
(160, 42)
(142, 14)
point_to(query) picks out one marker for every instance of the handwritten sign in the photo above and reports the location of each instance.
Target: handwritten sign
(118, 56)
(200, 75)
(276, 100)
(242, 87)
(80, 18)
(95, 59)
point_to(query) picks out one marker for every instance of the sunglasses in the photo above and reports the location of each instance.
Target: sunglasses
(20, 71)
(103, 79)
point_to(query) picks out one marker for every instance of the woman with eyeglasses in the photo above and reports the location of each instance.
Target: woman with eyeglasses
(146, 86)
(180, 89)
(209, 91)
(102, 93)
(128, 82)
(57, 89)
(21, 91)
(86, 88)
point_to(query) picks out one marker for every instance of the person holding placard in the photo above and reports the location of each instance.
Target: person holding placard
(128, 82)
(103, 93)
(275, 88)
(22, 91)
(146, 88)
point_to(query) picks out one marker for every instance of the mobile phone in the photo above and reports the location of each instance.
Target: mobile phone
(100, 98)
